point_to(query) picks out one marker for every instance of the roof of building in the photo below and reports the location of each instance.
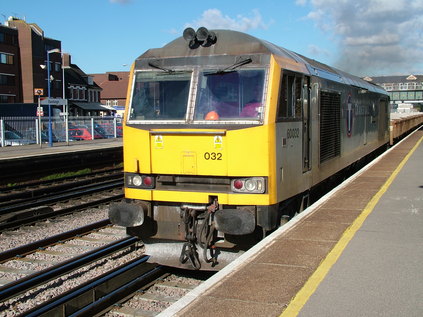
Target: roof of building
(74, 75)
(395, 79)
(114, 84)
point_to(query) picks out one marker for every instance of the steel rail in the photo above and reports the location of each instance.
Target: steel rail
(61, 179)
(50, 213)
(32, 247)
(30, 192)
(84, 190)
(101, 294)
(20, 286)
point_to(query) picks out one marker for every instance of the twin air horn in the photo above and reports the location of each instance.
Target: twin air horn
(202, 37)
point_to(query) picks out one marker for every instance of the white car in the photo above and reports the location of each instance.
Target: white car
(11, 138)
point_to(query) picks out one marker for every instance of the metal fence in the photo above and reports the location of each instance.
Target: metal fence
(35, 130)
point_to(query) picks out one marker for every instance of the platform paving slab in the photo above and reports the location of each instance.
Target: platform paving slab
(380, 272)
(265, 285)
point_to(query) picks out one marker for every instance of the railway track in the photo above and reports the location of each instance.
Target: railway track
(34, 187)
(132, 286)
(24, 206)
(60, 269)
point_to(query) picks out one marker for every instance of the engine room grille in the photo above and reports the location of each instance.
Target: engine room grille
(330, 125)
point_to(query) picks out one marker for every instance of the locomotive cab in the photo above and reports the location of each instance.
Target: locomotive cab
(195, 155)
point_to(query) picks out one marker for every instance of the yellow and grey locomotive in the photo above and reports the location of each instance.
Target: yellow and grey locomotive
(224, 131)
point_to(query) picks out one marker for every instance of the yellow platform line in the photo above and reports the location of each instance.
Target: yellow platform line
(317, 277)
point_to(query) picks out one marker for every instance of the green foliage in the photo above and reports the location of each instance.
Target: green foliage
(67, 174)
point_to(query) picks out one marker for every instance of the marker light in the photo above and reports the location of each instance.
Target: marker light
(140, 181)
(251, 185)
(238, 184)
(147, 181)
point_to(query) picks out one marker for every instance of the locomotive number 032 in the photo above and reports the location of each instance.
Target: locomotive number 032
(213, 156)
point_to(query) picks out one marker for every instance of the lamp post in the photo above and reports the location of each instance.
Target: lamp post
(50, 133)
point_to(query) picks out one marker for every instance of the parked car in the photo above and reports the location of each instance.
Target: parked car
(44, 137)
(83, 133)
(31, 135)
(12, 138)
(108, 127)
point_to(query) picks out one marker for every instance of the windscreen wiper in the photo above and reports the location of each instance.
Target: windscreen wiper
(231, 68)
(167, 70)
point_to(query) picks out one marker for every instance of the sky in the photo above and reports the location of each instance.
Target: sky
(362, 37)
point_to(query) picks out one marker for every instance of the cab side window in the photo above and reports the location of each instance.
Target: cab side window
(290, 103)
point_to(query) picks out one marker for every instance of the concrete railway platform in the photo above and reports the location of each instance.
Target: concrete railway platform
(35, 150)
(356, 252)
(26, 162)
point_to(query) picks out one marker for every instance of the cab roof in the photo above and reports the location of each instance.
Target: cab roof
(228, 42)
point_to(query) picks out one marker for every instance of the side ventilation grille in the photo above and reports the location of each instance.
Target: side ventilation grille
(330, 130)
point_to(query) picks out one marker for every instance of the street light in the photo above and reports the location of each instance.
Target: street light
(50, 133)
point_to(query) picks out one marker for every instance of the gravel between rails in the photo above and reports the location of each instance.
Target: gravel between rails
(45, 229)
(39, 260)
(30, 299)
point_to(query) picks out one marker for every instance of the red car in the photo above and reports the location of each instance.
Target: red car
(83, 133)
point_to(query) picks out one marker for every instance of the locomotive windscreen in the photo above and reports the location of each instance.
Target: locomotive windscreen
(234, 96)
(160, 96)
(231, 95)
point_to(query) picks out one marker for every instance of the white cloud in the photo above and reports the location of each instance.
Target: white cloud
(215, 19)
(314, 50)
(301, 2)
(375, 36)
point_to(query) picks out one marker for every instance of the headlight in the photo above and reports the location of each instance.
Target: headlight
(136, 180)
(140, 181)
(251, 185)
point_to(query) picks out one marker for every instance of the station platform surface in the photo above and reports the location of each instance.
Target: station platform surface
(20, 151)
(358, 251)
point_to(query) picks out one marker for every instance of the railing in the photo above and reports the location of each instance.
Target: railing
(402, 125)
(34, 130)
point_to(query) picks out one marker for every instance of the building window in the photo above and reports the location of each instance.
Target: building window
(411, 86)
(7, 80)
(7, 99)
(57, 67)
(57, 84)
(388, 86)
(6, 58)
(8, 39)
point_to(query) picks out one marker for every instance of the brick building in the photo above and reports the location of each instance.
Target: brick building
(23, 61)
(10, 75)
(114, 87)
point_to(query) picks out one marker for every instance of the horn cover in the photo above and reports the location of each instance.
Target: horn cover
(235, 221)
(127, 215)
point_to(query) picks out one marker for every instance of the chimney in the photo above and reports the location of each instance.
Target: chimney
(66, 60)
